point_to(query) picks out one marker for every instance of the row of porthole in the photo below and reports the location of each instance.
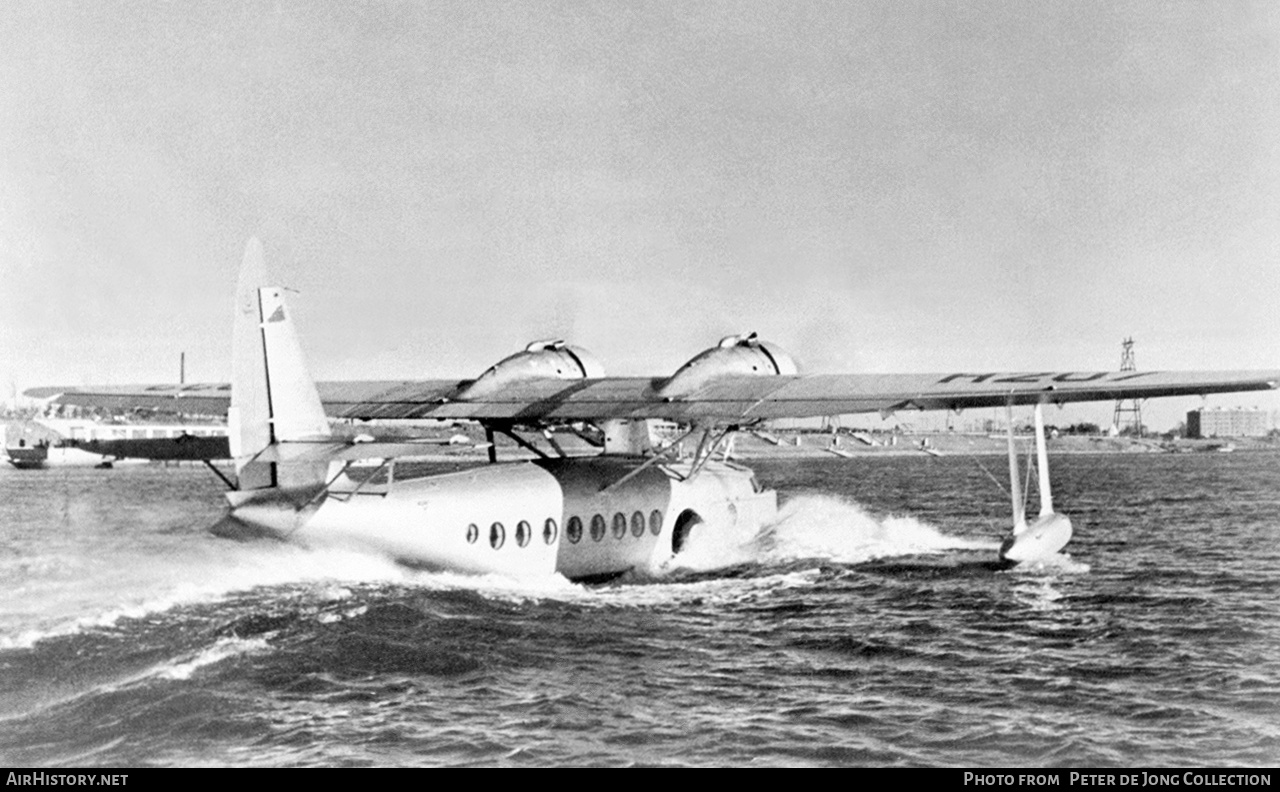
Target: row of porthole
(573, 528)
(524, 533)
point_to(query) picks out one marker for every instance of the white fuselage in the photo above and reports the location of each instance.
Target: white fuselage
(577, 517)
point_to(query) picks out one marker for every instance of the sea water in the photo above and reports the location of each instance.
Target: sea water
(867, 627)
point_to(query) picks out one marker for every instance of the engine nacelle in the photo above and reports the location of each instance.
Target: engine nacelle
(740, 354)
(541, 360)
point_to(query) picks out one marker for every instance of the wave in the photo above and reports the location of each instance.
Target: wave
(827, 528)
(183, 668)
(200, 578)
(809, 528)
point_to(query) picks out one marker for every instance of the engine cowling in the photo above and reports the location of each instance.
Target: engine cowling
(736, 355)
(541, 360)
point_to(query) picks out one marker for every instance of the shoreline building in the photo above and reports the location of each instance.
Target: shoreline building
(1227, 423)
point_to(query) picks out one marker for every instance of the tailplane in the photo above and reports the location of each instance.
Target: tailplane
(273, 399)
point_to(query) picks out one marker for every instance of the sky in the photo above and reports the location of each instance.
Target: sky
(873, 186)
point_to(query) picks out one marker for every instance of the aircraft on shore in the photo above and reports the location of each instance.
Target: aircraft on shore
(631, 507)
(47, 442)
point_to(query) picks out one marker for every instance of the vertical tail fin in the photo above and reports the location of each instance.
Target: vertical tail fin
(273, 398)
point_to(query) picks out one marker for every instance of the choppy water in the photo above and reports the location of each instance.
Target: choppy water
(865, 628)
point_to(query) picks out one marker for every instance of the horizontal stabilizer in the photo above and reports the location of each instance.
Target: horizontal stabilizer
(330, 452)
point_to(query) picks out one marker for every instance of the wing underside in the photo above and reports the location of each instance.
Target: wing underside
(729, 400)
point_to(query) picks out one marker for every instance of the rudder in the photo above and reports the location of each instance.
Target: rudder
(273, 398)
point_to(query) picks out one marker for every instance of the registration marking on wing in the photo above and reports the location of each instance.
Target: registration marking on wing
(1044, 377)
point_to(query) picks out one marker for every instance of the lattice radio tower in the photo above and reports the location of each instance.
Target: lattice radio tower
(1128, 411)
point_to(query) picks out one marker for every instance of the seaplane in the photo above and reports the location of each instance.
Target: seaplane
(630, 506)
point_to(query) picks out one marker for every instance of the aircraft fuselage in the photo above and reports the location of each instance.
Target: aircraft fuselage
(581, 518)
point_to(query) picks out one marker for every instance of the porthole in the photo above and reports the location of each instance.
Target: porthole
(655, 522)
(573, 530)
(619, 525)
(597, 527)
(637, 524)
(497, 535)
(523, 533)
(473, 533)
(550, 530)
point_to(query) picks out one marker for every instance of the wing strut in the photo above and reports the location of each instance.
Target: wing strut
(520, 441)
(1051, 531)
(1015, 487)
(659, 455)
(493, 449)
(551, 439)
(706, 450)
(387, 464)
(1042, 463)
(230, 485)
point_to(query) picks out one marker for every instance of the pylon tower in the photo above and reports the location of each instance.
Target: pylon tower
(1128, 411)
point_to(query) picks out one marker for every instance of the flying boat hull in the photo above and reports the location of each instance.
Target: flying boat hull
(586, 519)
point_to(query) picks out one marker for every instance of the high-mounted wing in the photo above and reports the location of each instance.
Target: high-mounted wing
(742, 399)
(728, 399)
(741, 380)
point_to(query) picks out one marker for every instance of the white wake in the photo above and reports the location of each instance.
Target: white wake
(822, 527)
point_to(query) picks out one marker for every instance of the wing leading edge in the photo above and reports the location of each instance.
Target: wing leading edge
(729, 399)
